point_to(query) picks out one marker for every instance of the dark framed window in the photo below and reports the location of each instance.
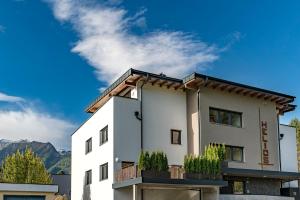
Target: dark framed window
(234, 153)
(238, 187)
(88, 146)
(175, 136)
(88, 177)
(226, 117)
(104, 172)
(104, 135)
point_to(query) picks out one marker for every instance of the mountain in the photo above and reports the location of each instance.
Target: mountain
(55, 161)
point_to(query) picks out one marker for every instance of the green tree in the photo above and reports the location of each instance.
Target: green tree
(24, 168)
(296, 123)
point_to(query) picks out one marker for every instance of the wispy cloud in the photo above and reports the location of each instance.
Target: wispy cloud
(108, 43)
(2, 29)
(7, 98)
(25, 121)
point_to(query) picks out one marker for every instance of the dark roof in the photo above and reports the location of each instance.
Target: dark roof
(205, 77)
(131, 76)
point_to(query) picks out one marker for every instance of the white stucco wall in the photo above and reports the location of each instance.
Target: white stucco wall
(127, 130)
(82, 162)
(164, 109)
(288, 146)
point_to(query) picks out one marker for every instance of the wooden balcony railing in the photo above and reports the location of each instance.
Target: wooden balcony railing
(132, 172)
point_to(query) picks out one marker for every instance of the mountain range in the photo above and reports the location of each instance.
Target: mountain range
(55, 161)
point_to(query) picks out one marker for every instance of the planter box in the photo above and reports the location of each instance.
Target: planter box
(193, 176)
(155, 174)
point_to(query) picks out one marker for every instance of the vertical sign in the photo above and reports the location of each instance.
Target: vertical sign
(265, 158)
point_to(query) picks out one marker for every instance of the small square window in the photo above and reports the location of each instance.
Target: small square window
(88, 146)
(104, 135)
(238, 187)
(104, 172)
(175, 136)
(88, 177)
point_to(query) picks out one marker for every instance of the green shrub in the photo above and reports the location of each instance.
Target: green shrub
(209, 163)
(156, 161)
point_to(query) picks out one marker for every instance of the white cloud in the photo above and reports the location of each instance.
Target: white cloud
(24, 121)
(7, 98)
(35, 126)
(108, 44)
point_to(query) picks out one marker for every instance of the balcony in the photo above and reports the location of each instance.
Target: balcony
(174, 178)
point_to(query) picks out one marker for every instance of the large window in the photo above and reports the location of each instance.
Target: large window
(234, 153)
(88, 177)
(88, 146)
(104, 135)
(175, 136)
(225, 117)
(104, 172)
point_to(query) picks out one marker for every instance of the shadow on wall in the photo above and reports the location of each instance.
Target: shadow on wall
(86, 194)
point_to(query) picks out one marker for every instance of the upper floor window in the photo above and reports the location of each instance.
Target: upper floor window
(104, 171)
(225, 117)
(88, 177)
(175, 136)
(234, 153)
(104, 135)
(88, 146)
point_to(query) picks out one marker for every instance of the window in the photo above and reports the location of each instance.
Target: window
(234, 153)
(88, 146)
(103, 172)
(175, 136)
(225, 117)
(88, 177)
(104, 135)
(238, 187)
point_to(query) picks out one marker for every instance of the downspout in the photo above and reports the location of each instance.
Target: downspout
(199, 118)
(199, 115)
(279, 147)
(141, 111)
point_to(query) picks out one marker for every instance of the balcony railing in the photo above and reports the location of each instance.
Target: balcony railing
(132, 172)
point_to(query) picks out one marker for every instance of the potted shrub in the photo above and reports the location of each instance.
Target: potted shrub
(154, 165)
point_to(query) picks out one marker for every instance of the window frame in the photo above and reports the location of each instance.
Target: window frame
(88, 148)
(88, 181)
(231, 153)
(100, 135)
(180, 139)
(229, 114)
(101, 178)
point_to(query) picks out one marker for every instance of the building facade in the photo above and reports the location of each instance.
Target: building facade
(144, 111)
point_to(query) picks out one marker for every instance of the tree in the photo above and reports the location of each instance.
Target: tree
(296, 123)
(24, 167)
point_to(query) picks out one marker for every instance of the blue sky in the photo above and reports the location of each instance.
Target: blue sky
(57, 55)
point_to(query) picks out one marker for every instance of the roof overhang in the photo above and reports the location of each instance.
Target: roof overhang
(130, 79)
(12, 187)
(193, 81)
(186, 184)
(282, 101)
(267, 174)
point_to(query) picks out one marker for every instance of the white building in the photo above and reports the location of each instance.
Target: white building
(289, 160)
(145, 111)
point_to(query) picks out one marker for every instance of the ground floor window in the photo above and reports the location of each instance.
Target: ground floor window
(238, 187)
(88, 177)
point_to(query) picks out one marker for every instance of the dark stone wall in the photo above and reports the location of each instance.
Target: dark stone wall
(263, 186)
(255, 186)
